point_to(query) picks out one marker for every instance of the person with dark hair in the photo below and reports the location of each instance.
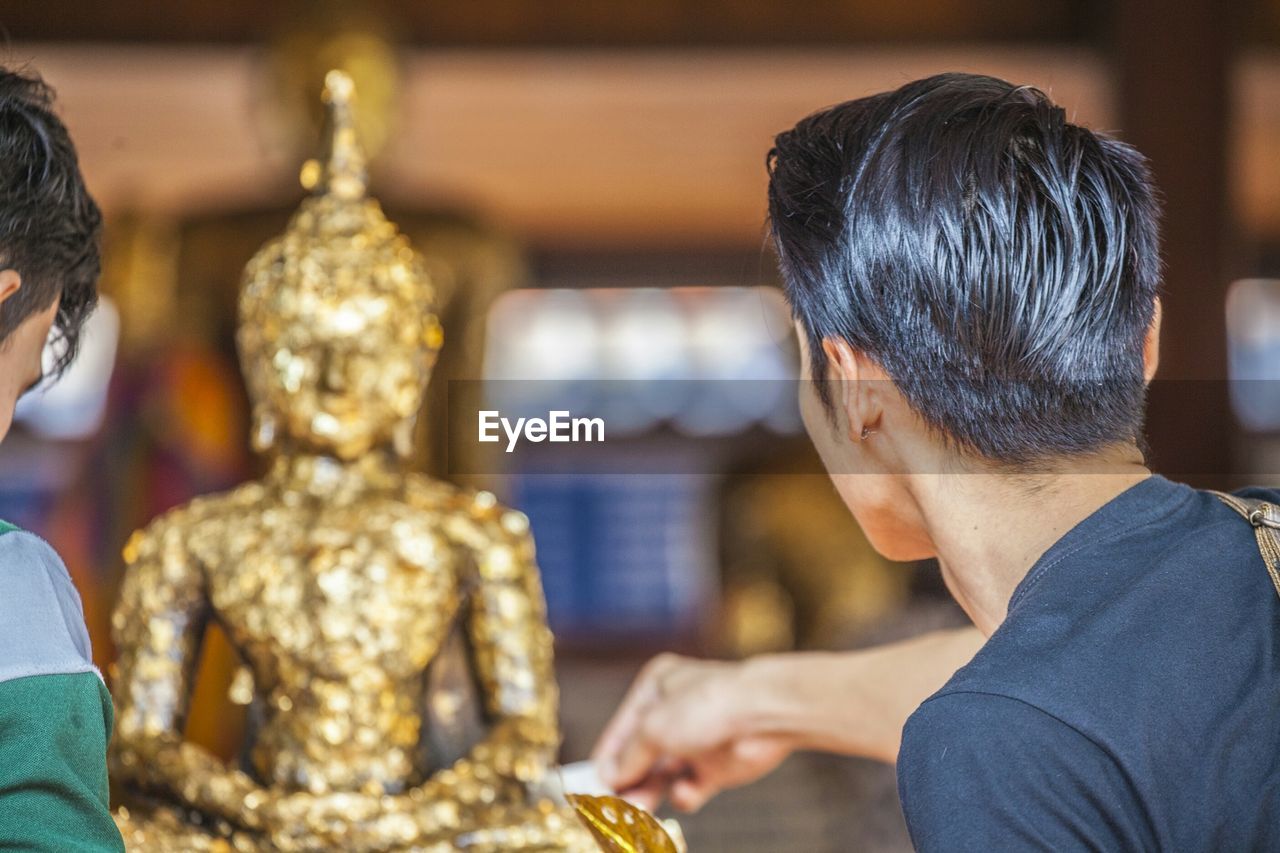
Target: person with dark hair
(55, 712)
(974, 283)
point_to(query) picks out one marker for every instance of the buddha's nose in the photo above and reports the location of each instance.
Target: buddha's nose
(333, 377)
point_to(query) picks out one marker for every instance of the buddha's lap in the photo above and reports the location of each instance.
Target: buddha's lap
(156, 827)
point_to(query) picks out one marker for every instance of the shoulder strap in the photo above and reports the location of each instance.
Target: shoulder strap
(1265, 518)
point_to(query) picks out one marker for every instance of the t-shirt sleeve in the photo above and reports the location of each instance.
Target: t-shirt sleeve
(980, 772)
(55, 712)
(41, 620)
(53, 772)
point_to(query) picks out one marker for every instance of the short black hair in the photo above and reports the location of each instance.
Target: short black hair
(49, 224)
(997, 261)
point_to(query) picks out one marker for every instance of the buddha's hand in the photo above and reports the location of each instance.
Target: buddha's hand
(306, 821)
(359, 823)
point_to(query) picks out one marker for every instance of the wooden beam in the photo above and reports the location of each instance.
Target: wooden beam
(570, 23)
(1173, 72)
(653, 148)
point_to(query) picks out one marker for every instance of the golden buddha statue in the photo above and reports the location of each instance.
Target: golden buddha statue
(392, 626)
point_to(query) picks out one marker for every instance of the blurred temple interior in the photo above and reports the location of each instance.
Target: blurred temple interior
(587, 182)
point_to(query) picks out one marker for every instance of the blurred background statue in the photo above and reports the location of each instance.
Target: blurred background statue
(398, 663)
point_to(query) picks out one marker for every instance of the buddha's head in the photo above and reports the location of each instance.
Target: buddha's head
(337, 330)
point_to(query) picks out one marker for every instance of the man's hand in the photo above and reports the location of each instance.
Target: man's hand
(682, 732)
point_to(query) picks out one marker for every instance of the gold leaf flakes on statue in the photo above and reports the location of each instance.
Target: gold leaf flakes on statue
(392, 627)
(241, 690)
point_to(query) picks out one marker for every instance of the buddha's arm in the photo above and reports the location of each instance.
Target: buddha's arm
(157, 627)
(512, 648)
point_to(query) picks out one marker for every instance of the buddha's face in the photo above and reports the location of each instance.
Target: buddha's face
(339, 375)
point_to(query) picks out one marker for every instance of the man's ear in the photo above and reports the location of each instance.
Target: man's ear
(10, 281)
(1151, 346)
(855, 395)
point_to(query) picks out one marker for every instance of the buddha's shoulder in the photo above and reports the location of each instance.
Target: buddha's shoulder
(464, 507)
(213, 510)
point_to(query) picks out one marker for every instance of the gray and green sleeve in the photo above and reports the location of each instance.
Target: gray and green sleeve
(55, 712)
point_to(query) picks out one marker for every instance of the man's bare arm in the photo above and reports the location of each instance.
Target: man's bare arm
(712, 725)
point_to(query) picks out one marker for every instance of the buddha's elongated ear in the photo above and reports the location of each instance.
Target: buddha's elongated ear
(266, 429)
(402, 437)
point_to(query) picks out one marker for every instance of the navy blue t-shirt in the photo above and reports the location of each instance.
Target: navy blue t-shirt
(1129, 701)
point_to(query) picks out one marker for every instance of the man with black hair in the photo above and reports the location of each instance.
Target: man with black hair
(55, 712)
(974, 284)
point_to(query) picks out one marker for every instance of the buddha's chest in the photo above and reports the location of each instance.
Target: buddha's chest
(337, 595)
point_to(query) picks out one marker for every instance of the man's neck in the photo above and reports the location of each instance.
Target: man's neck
(990, 527)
